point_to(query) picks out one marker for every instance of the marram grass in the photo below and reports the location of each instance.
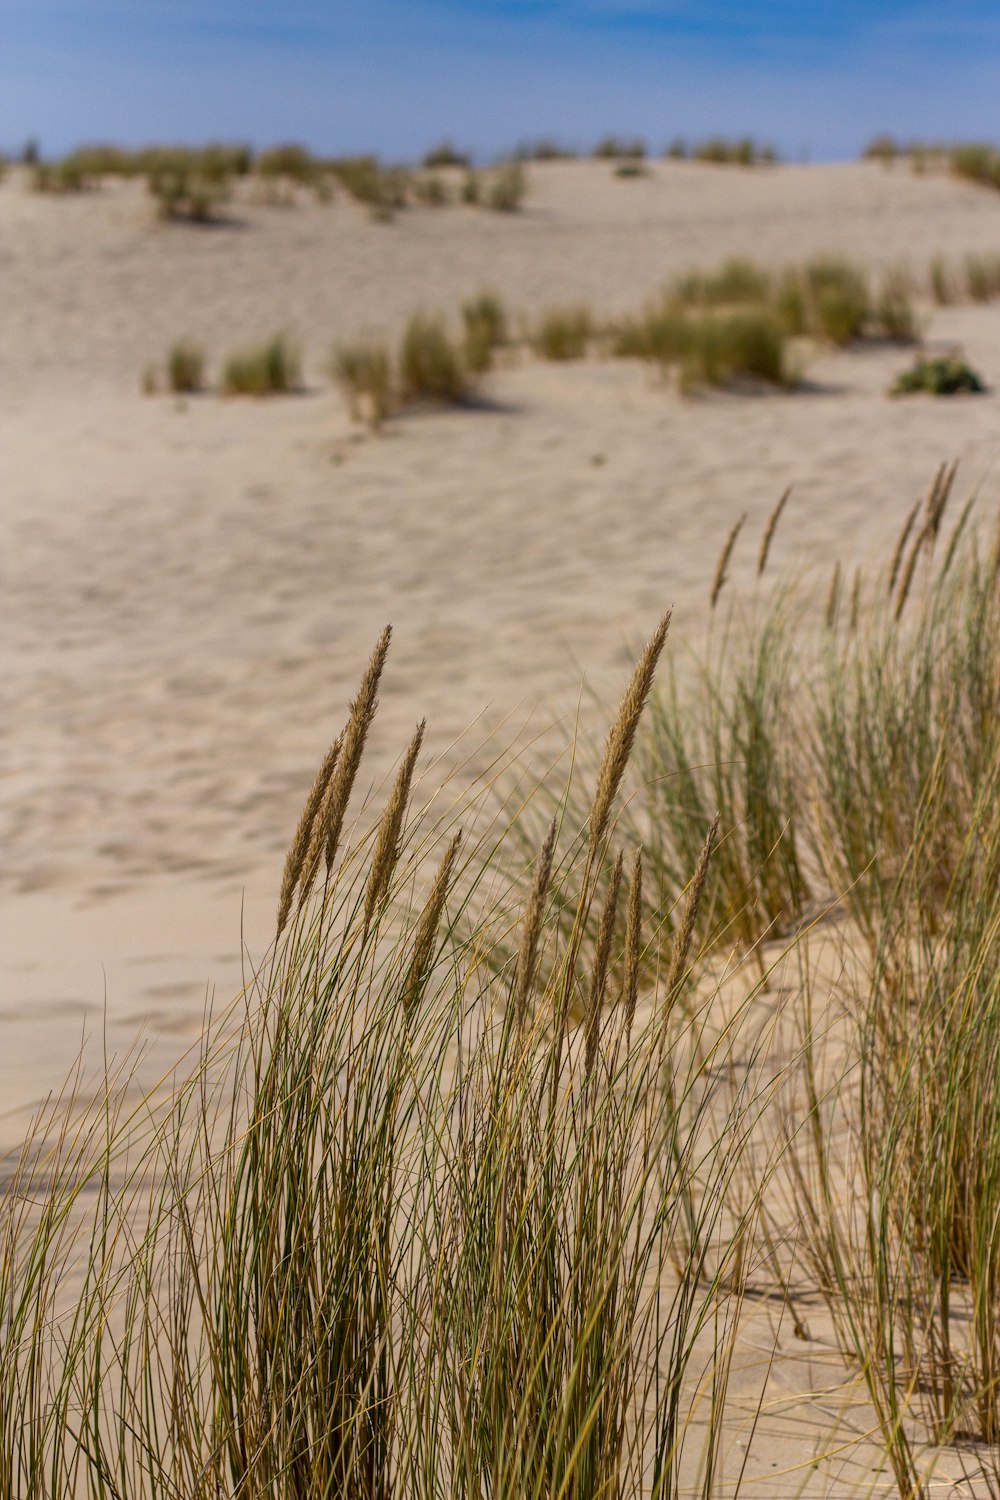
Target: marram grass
(465, 1194)
(406, 1228)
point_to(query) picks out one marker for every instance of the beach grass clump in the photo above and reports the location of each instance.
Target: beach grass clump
(728, 347)
(289, 165)
(445, 155)
(735, 282)
(383, 190)
(431, 367)
(270, 369)
(364, 371)
(839, 304)
(620, 149)
(942, 282)
(741, 152)
(59, 177)
(186, 368)
(893, 316)
(485, 329)
(563, 333)
(414, 1221)
(982, 277)
(945, 375)
(184, 192)
(506, 189)
(661, 332)
(977, 162)
(431, 189)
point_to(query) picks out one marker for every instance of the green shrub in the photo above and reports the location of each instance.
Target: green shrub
(430, 367)
(471, 188)
(949, 376)
(364, 372)
(272, 368)
(485, 327)
(677, 150)
(563, 333)
(186, 368)
(507, 190)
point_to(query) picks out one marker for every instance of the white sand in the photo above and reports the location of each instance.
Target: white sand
(191, 589)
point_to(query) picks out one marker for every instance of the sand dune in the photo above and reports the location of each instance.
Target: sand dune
(191, 588)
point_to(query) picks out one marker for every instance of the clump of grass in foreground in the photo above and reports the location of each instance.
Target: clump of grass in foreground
(273, 368)
(563, 333)
(408, 1228)
(364, 370)
(430, 366)
(945, 376)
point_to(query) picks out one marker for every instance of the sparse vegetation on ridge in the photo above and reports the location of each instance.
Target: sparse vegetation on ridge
(271, 369)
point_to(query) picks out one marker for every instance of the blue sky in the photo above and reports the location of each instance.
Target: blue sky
(816, 77)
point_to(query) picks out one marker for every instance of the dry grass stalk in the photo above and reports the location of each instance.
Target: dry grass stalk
(621, 737)
(682, 938)
(423, 942)
(599, 972)
(531, 929)
(855, 600)
(633, 944)
(330, 819)
(833, 597)
(956, 535)
(769, 530)
(386, 851)
(299, 848)
(726, 553)
(906, 582)
(935, 512)
(904, 537)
